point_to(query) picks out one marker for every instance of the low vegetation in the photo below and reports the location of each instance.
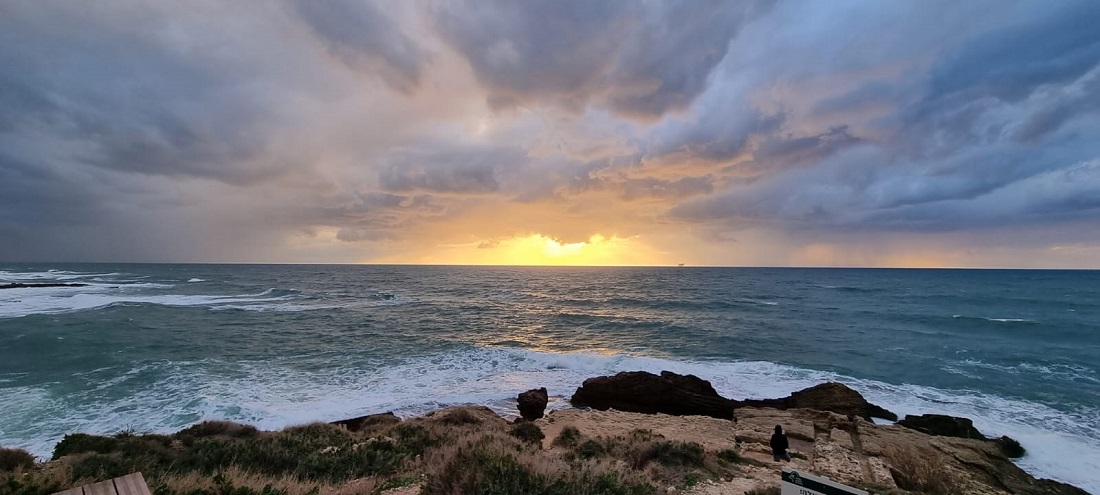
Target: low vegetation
(14, 459)
(451, 452)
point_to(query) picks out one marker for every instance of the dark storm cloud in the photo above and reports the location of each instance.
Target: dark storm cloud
(128, 101)
(34, 195)
(360, 35)
(448, 169)
(636, 58)
(1011, 62)
(780, 151)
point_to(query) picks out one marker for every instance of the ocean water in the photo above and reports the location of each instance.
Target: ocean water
(154, 348)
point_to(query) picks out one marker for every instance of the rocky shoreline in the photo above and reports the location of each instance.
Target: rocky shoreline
(831, 428)
(631, 433)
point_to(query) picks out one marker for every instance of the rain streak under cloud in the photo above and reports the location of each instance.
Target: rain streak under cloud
(920, 133)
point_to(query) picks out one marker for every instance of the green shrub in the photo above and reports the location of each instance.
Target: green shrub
(98, 467)
(458, 417)
(416, 439)
(568, 437)
(158, 446)
(590, 449)
(217, 428)
(482, 472)
(676, 454)
(528, 432)
(317, 453)
(77, 443)
(730, 456)
(12, 459)
(16, 484)
(491, 469)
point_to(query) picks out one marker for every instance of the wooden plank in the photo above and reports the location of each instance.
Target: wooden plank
(76, 490)
(101, 488)
(132, 484)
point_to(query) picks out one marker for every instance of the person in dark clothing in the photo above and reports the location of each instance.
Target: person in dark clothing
(779, 445)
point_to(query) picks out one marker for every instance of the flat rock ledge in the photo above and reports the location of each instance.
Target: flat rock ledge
(847, 449)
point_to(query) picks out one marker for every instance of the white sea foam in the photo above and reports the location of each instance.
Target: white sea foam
(54, 300)
(997, 320)
(1065, 372)
(193, 280)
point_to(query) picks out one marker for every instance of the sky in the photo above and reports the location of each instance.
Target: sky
(921, 133)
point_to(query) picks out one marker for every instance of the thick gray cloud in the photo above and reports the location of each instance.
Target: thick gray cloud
(351, 130)
(634, 58)
(360, 34)
(446, 169)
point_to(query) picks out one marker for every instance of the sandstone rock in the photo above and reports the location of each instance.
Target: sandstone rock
(832, 396)
(532, 403)
(363, 422)
(644, 392)
(757, 425)
(850, 451)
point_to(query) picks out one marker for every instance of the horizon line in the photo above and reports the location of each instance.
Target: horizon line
(677, 266)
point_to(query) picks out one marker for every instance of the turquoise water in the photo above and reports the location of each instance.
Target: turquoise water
(159, 347)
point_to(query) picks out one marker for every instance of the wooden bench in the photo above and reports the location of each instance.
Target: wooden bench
(131, 484)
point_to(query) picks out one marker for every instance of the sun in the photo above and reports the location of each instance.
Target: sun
(541, 250)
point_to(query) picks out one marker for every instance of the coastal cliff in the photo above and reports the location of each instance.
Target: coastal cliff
(471, 449)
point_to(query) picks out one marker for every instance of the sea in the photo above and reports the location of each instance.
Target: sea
(158, 347)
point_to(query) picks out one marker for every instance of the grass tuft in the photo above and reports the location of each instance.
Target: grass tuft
(15, 459)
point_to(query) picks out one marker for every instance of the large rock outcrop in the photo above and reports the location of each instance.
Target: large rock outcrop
(644, 392)
(532, 403)
(953, 426)
(831, 396)
(942, 425)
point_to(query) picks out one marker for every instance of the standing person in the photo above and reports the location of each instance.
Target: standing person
(779, 445)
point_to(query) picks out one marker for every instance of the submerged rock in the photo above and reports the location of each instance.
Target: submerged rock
(644, 392)
(20, 285)
(532, 403)
(831, 396)
(1010, 447)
